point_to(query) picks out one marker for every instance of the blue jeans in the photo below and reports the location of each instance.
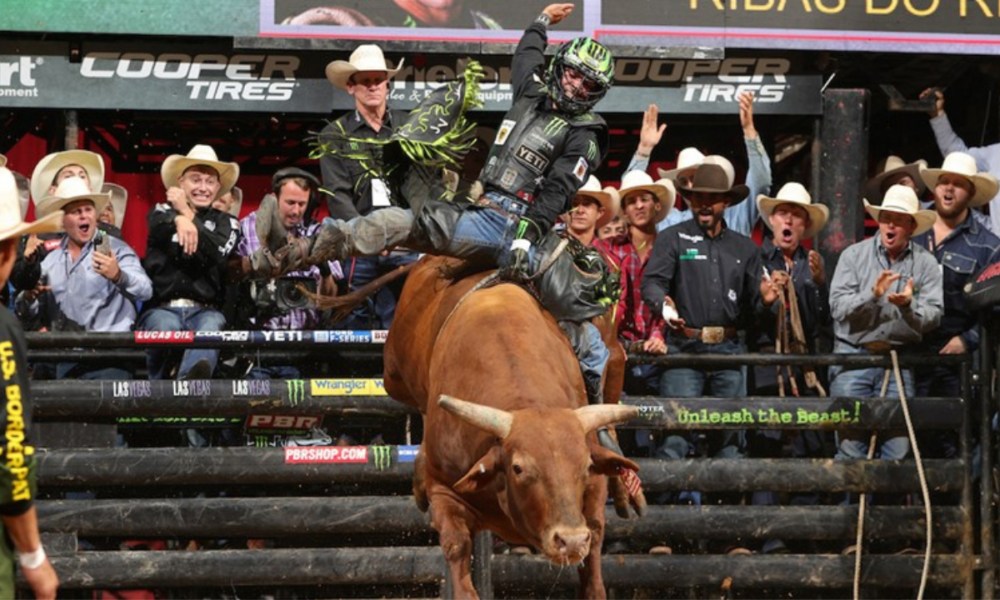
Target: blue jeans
(692, 383)
(867, 383)
(380, 308)
(169, 318)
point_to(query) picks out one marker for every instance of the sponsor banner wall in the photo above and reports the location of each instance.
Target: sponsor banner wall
(174, 77)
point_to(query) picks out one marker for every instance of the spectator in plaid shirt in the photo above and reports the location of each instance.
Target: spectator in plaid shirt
(644, 203)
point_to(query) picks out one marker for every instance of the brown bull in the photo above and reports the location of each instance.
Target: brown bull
(509, 442)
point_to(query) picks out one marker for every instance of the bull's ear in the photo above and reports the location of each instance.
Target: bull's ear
(481, 473)
(607, 462)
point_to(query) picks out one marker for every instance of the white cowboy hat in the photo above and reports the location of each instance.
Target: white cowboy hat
(902, 199)
(795, 193)
(889, 170)
(201, 154)
(608, 199)
(366, 57)
(11, 222)
(3, 160)
(715, 177)
(24, 192)
(688, 159)
(42, 178)
(119, 201)
(71, 190)
(663, 189)
(960, 163)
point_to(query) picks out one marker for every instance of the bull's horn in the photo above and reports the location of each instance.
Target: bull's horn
(494, 420)
(599, 415)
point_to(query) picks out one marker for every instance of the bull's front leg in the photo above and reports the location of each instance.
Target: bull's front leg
(452, 521)
(591, 579)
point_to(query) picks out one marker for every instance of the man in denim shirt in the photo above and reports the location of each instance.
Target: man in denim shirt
(885, 294)
(962, 246)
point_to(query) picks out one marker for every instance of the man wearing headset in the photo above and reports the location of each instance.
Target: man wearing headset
(293, 196)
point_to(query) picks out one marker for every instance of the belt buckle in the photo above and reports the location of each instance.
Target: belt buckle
(713, 335)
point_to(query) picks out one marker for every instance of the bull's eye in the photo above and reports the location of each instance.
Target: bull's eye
(517, 469)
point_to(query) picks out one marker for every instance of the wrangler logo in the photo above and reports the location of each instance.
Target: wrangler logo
(531, 158)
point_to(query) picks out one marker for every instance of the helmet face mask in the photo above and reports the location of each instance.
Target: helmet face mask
(584, 66)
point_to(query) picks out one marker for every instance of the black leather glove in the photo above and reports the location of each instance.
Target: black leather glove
(517, 266)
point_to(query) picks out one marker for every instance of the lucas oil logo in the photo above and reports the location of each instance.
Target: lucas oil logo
(243, 77)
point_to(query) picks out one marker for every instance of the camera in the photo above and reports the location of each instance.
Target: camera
(282, 295)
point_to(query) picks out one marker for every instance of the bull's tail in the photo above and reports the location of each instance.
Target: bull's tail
(343, 305)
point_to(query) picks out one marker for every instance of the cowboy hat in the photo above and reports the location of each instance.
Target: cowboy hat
(795, 193)
(71, 190)
(889, 172)
(715, 178)
(663, 189)
(43, 177)
(960, 163)
(366, 57)
(119, 201)
(606, 198)
(3, 160)
(902, 199)
(687, 160)
(11, 223)
(237, 204)
(201, 154)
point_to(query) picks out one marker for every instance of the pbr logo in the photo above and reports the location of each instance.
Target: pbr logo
(288, 424)
(381, 457)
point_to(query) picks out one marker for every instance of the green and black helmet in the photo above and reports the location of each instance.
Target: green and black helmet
(593, 61)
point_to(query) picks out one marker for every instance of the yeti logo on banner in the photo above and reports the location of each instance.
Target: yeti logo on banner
(534, 160)
(242, 77)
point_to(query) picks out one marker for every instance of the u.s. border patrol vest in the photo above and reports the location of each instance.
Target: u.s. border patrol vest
(527, 143)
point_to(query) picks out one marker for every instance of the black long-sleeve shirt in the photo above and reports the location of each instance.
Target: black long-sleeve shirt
(200, 276)
(714, 282)
(348, 183)
(813, 300)
(564, 176)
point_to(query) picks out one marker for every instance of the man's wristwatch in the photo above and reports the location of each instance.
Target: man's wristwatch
(544, 19)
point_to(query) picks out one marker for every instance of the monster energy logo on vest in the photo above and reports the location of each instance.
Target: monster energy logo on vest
(521, 155)
(296, 391)
(381, 457)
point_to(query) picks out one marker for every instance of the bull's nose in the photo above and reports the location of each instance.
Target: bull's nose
(573, 543)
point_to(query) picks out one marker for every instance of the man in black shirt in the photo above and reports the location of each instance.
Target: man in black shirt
(189, 242)
(709, 276)
(354, 186)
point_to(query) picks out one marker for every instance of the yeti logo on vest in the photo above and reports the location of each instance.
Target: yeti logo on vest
(532, 159)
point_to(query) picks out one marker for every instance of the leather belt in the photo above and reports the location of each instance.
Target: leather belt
(708, 335)
(184, 303)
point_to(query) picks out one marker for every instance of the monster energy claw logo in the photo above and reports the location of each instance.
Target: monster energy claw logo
(554, 126)
(592, 151)
(296, 391)
(382, 457)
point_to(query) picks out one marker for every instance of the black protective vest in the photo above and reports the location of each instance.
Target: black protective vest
(527, 143)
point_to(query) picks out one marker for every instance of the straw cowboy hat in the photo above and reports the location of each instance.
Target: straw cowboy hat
(716, 178)
(24, 192)
(902, 199)
(663, 189)
(795, 193)
(42, 178)
(119, 201)
(607, 198)
(11, 222)
(71, 190)
(960, 163)
(366, 57)
(889, 172)
(687, 160)
(200, 154)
